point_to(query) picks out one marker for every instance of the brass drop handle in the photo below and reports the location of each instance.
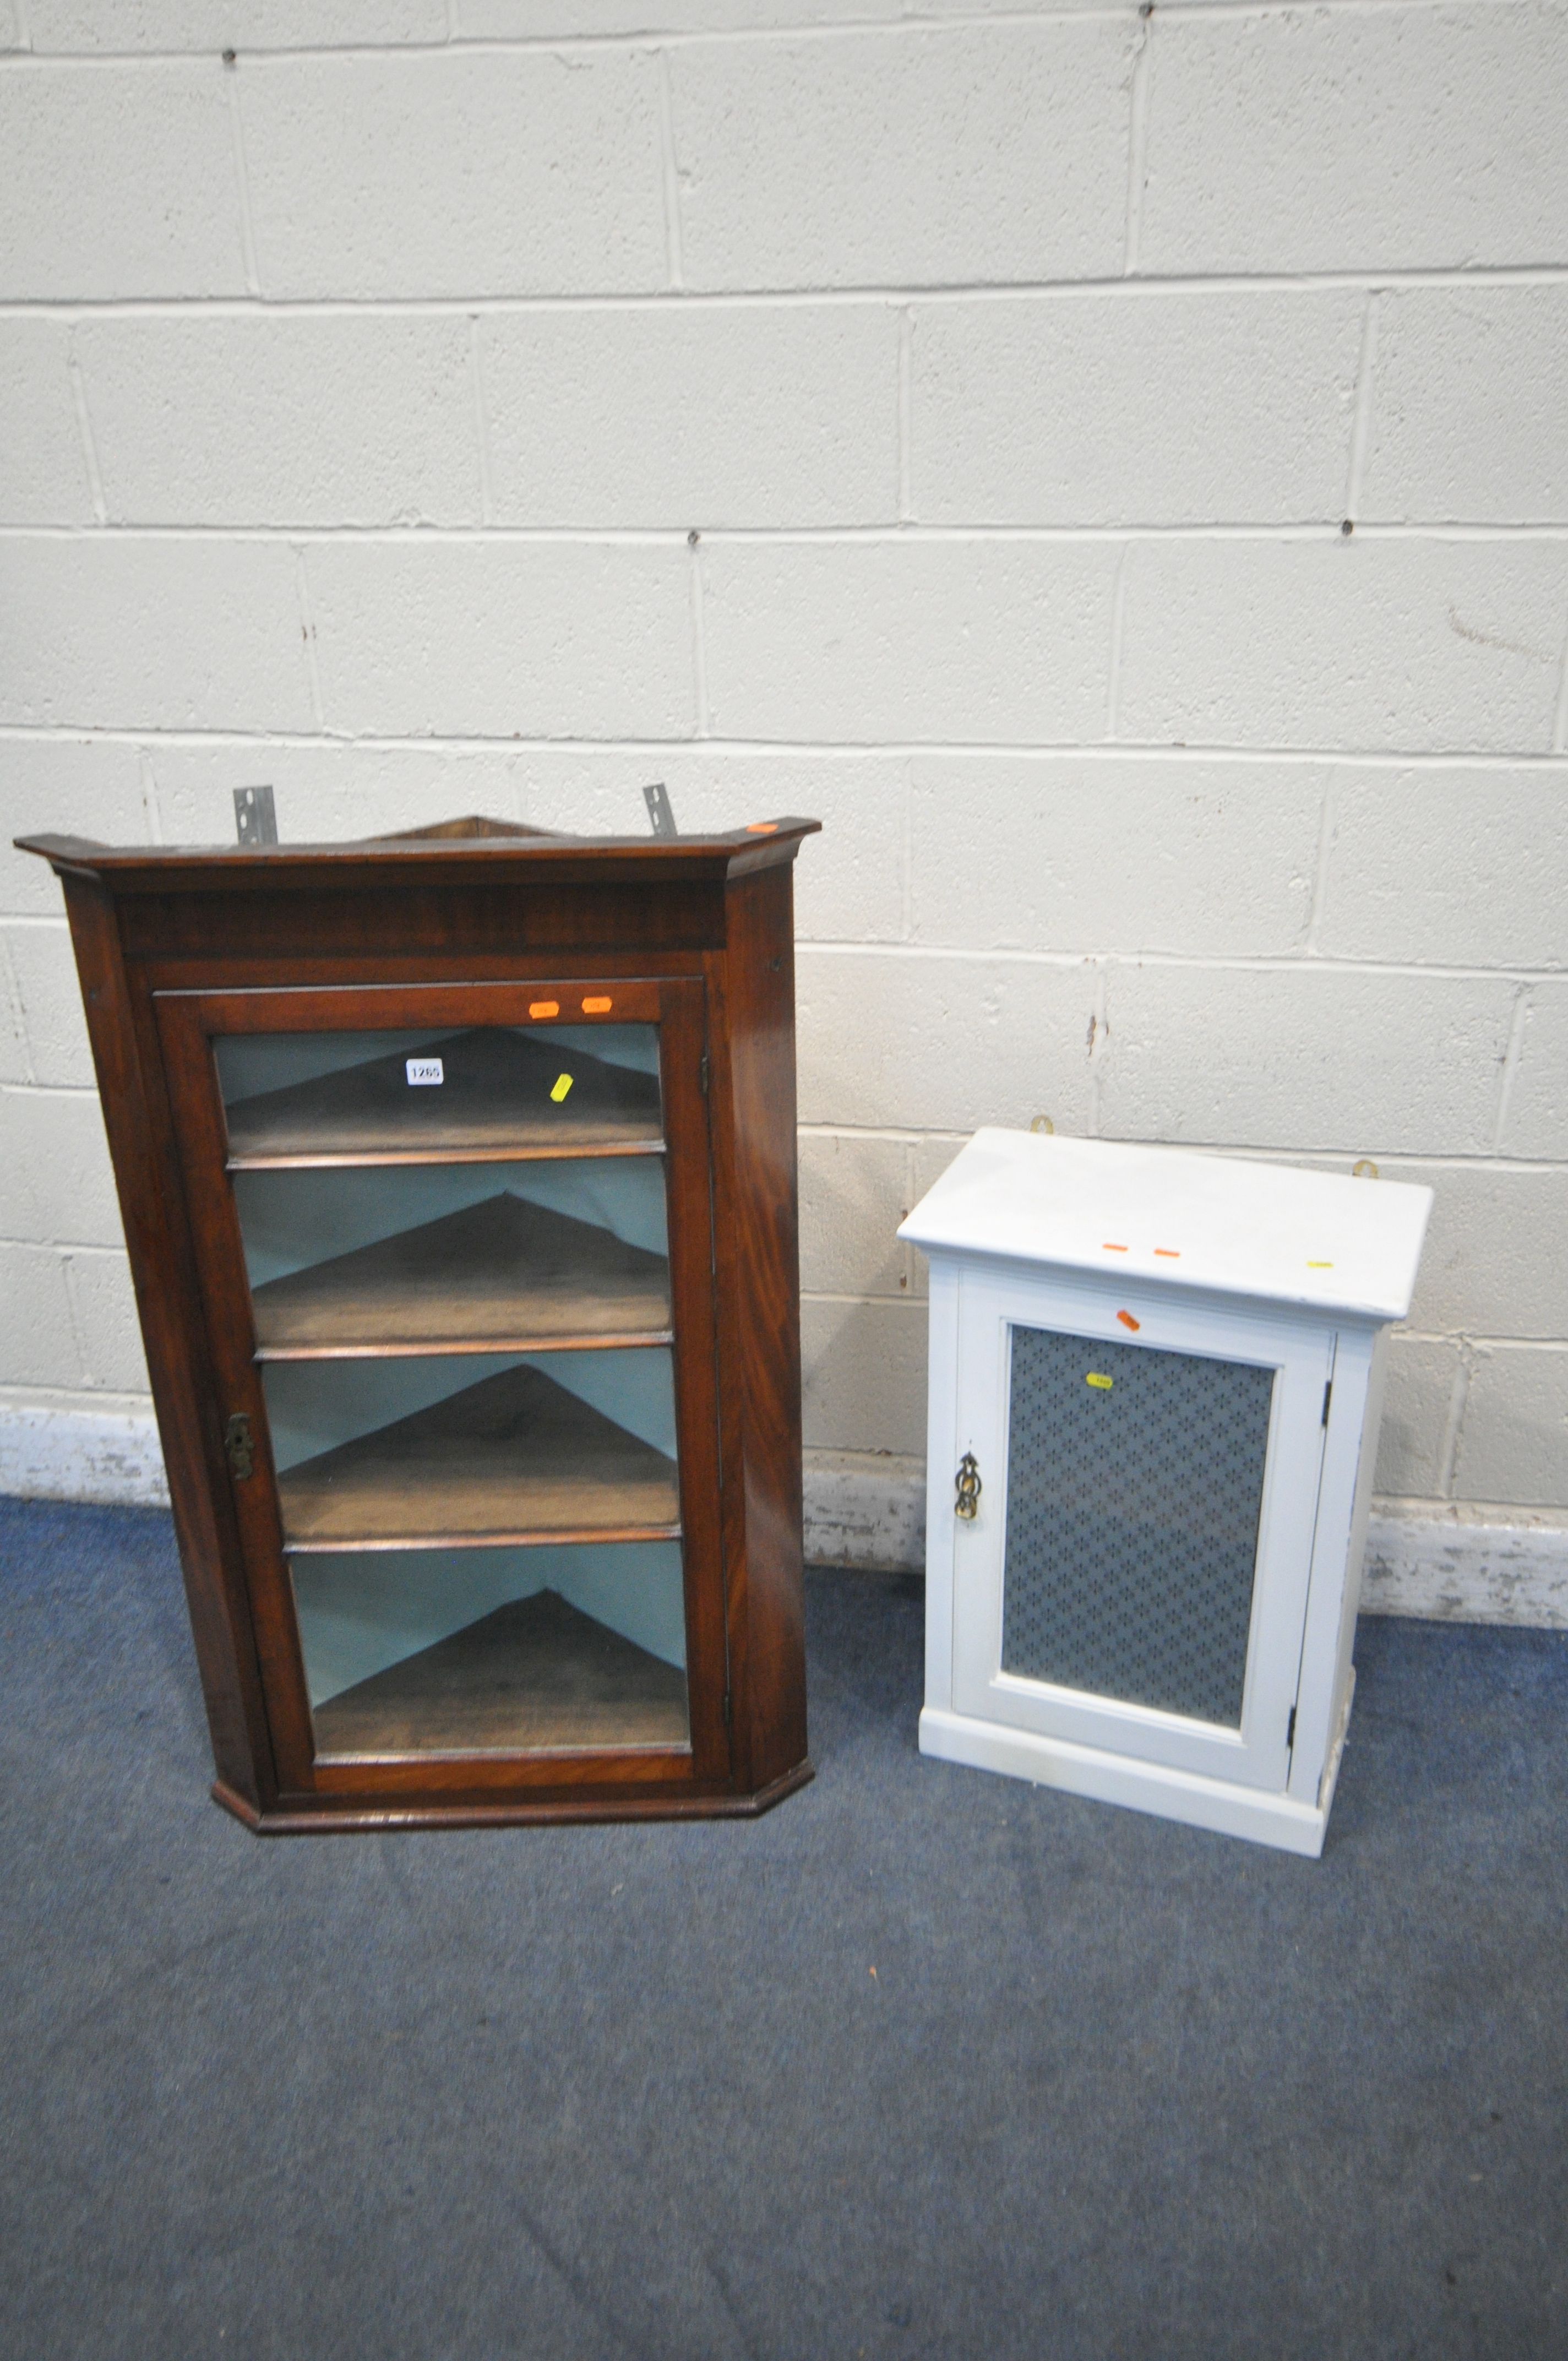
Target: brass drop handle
(239, 1445)
(967, 1481)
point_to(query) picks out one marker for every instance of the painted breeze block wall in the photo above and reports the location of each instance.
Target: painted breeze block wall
(1112, 464)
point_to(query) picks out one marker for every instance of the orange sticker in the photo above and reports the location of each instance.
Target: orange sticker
(1106, 1247)
(1172, 1253)
(762, 828)
(599, 1007)
(1127, 1319)
(544, 1008)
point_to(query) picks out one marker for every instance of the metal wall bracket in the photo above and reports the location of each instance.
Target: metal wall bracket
(664, 818)
(255, 815)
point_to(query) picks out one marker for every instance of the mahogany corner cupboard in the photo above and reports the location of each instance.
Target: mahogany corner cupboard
(458, 1178)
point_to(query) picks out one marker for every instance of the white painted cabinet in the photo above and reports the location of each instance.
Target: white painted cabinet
(1155, 1391)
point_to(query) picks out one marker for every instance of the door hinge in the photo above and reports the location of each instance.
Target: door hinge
(240, 1447)
(1327, 1393)
(702, 1073)
(1290, 1729)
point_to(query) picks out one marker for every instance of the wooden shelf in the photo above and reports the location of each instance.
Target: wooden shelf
(533, 1677)
(515, 1459)
(494, 1104)
(502, 1275)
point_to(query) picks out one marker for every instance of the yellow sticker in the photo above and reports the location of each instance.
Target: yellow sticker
(1320, 1265)
(561, 1089)
(1094, 1379)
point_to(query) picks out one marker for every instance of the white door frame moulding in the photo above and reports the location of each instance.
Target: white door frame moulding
(866, 1510)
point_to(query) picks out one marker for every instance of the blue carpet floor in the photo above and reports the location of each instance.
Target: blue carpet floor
(926, 2063)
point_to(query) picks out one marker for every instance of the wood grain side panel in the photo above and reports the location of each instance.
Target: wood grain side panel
(762, 1341)
(152, 1205)
(690, 1219)
(729, 1317)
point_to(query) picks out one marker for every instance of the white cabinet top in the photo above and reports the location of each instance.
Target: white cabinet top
(1182, 1218)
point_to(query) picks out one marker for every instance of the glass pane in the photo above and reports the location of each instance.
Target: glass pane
(1135, 1481)
(489, 1090)
(471, 1651)
(482, 1448)
(410, 1258)
(459, 1269)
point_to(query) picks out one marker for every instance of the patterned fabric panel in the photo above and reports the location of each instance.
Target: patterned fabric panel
(1135, 1482)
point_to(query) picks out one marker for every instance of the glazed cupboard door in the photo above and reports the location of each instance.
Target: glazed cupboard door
(1134, 1541)
(456, 1255)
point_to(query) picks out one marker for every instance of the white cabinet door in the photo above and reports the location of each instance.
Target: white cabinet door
(1134, 1577)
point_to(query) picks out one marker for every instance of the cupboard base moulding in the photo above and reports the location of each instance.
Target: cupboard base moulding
(281, 1820)
(1218, 1804)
